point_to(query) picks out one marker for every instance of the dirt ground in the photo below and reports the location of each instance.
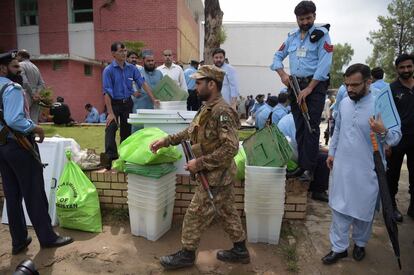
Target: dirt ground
(303, 244)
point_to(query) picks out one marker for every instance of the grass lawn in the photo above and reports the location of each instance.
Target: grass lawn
(93, 137)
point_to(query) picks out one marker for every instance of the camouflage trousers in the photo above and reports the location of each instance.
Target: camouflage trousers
(200, 214)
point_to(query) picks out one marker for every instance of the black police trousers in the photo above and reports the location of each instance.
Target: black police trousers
(22, 178)
(121, 111)
(193, 103)
(320, 181)
(395, 161)
(308, 143)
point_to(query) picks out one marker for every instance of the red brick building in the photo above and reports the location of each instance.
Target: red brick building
(69, 40)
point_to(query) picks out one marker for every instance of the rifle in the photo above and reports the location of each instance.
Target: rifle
(189, 155)
(294, 85)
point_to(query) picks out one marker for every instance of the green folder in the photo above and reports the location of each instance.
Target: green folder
(168, 90)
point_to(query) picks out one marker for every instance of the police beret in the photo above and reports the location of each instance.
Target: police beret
(7, 57)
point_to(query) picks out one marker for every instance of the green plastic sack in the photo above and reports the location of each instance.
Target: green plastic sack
(77, 202)
(135, 149)
(240, 160)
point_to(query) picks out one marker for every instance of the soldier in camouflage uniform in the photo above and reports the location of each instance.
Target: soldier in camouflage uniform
(214, 140)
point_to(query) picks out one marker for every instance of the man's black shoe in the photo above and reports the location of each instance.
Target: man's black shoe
(397, 215)
(60, 241)
(238, 254)
(358, 253)
(306, 176)
(17, 249)
(410, 211)
(295, 173)
(333, 257)
(320, 196)
(183, 258)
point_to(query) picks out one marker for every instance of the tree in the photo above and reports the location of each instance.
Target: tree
(396, 36)
(134, 46)
(342, 55)
(213, 32)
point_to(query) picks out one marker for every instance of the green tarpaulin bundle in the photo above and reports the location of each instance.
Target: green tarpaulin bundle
(77, 202)
(267, 147)
(135, 149)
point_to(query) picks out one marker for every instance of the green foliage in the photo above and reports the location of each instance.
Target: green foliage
(222, 35)
(395, 36)
(46, 96)
(342, 55)
(135, 46)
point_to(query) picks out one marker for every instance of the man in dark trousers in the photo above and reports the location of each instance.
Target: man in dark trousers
(310, 58)
(21, 173)
(121, 80)
(403, 93)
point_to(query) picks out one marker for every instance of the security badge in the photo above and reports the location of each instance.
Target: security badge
(301, 52)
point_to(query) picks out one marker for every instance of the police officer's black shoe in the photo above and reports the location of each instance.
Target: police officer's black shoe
(183, 258)
(397, 215)
(238, 254)
(306, 176)
(333, 257)
(17, 249)
(410, 211)
(358, 253)
(60, 241)
(320, 196)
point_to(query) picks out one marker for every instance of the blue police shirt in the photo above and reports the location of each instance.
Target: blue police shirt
(262, 115)
(117, 81)
(93, 116)
(379, 84)
(256, 107)
(287, 126)
(187, 75)
(13, 108)
(306, 58)
(279, 112)
(340, 94)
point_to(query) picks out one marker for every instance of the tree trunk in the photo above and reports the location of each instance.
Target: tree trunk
(212, 27)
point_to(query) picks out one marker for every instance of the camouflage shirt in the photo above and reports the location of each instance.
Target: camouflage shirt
(214, 139)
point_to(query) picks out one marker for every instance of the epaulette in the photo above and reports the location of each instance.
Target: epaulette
(319, 32)
(292, 32)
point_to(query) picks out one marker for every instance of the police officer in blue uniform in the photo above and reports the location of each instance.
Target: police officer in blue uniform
(21, 173)
(310, 56)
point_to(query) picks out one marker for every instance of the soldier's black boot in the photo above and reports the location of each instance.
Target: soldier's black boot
(238, 254)
(182, 258)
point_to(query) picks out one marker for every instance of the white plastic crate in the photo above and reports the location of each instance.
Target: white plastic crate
(263, 228)
(149, 193)
(145, 201)
(148, 222)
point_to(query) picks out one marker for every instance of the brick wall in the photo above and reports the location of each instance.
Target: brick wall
(86, 89)
(8, 37)
(53, 26)
(112, 190)
(152, 21)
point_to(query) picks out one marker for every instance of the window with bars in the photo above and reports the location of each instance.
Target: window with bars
(28, 12)
(82, 11)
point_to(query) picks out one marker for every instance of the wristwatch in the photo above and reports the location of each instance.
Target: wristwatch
(384, 134)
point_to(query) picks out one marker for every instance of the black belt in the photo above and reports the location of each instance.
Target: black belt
(121, 101)
(306, 79)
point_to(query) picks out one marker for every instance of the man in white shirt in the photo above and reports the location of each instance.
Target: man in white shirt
(173, 70)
